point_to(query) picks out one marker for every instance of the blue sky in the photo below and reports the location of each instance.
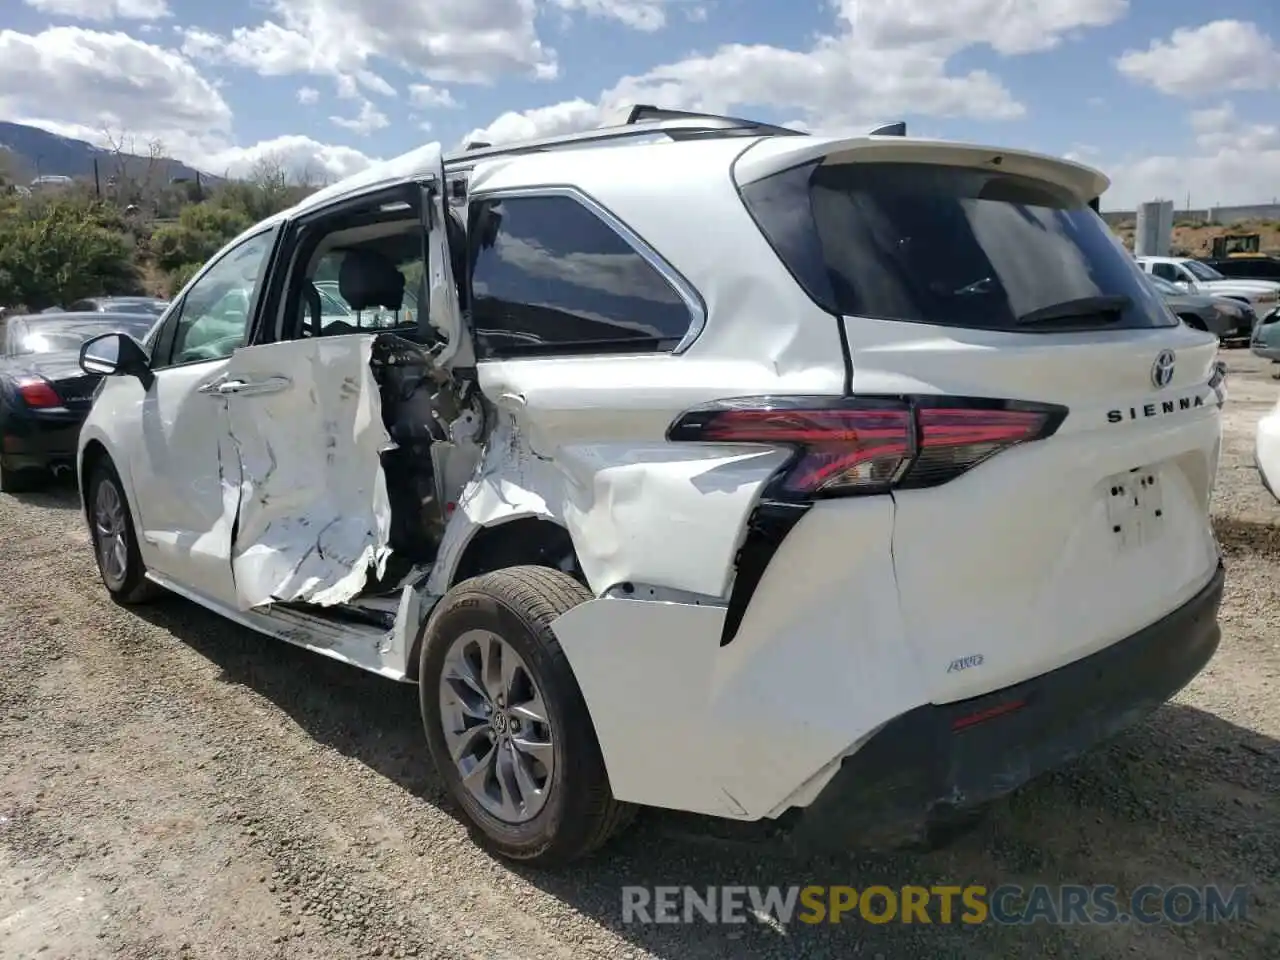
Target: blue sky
(221, 83)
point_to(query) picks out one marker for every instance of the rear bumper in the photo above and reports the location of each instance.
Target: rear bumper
(1266, 352)
(38, 442)
(935, 762)
(1236, 325)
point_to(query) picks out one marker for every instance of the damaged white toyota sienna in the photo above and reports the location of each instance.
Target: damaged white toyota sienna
(835, 487)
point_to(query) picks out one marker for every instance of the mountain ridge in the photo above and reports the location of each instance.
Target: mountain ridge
(38, 152)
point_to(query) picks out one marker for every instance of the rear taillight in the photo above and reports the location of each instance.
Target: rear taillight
(870, 444)
(37, 392)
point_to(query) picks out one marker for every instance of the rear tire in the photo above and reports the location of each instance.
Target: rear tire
(115, 544)
(490, 667)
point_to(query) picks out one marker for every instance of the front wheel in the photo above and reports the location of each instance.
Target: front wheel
(506, 723)
(115, 545)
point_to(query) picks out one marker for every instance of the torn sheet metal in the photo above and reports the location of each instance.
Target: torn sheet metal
(314, 517)
(639, 512)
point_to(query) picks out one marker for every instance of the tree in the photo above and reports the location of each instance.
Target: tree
(8, 169)
(61, 253)
(201, 231)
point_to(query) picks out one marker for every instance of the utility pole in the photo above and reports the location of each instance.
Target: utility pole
(97, 182)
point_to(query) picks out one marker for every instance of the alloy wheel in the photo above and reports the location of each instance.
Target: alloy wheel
(110, 532)
(496, 726)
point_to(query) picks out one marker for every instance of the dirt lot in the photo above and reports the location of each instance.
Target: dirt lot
(174, 786)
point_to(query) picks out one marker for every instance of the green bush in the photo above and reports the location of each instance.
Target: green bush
(177, 278)
(63, 247)
(201, 231)
(61, 253)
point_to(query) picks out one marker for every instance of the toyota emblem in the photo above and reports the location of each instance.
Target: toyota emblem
(1162, 369)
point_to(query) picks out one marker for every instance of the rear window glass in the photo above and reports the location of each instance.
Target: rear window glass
(951, 246)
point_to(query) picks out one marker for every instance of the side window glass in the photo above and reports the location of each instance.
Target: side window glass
(214, 318)
(1164, 271)
(548, 276)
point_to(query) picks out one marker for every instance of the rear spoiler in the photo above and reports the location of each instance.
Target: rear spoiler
(772, 155)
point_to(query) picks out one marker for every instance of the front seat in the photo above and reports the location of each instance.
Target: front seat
(367, 280)
(310, 311)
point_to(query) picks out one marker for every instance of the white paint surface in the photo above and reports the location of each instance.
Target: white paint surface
(314, 518)
(1267, 449)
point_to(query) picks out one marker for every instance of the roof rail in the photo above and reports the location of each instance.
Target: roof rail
(898, 129)
(643, 112)
(643, 121)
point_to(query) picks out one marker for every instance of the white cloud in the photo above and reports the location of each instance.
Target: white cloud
(1234, 162)
(1213, 58)
(374, 83)
(460, 41)
(647, 15)
(568, 116)
(1006, 27)
(369, 120)
(85, 85)
(883, 61)
(302, 157)
(348, 88)
(103, 10)
(96, 79)
(1219, 128)
(307, 96)
(426, 96)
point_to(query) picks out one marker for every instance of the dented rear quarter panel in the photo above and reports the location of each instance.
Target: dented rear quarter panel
(638, 511)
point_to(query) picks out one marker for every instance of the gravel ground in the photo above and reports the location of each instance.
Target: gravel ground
(174, 786)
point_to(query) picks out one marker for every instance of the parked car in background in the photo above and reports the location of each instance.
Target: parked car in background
(44, 395)
(1229, 319)
(331, 302)
(1192, 276)
(1246, 268)
(333, 306)
(151, 306)
(1265, 341)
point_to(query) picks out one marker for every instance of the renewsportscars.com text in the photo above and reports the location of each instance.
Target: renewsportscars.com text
(972, 904)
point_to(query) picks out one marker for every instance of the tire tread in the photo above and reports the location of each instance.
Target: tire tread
(142, 590)
(540, 595)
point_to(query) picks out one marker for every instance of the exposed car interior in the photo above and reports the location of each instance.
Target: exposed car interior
(373, 262)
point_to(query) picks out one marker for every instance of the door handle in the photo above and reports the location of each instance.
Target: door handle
(223, 388)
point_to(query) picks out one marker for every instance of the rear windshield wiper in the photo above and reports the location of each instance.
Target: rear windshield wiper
(1106, 309)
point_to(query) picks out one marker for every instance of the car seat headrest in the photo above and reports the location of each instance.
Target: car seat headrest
(367, 279)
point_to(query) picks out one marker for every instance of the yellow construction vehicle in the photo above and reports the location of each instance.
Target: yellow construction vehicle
(1237, 245)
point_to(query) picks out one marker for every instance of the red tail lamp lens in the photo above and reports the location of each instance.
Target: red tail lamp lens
(870, 445)
(37, 392)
